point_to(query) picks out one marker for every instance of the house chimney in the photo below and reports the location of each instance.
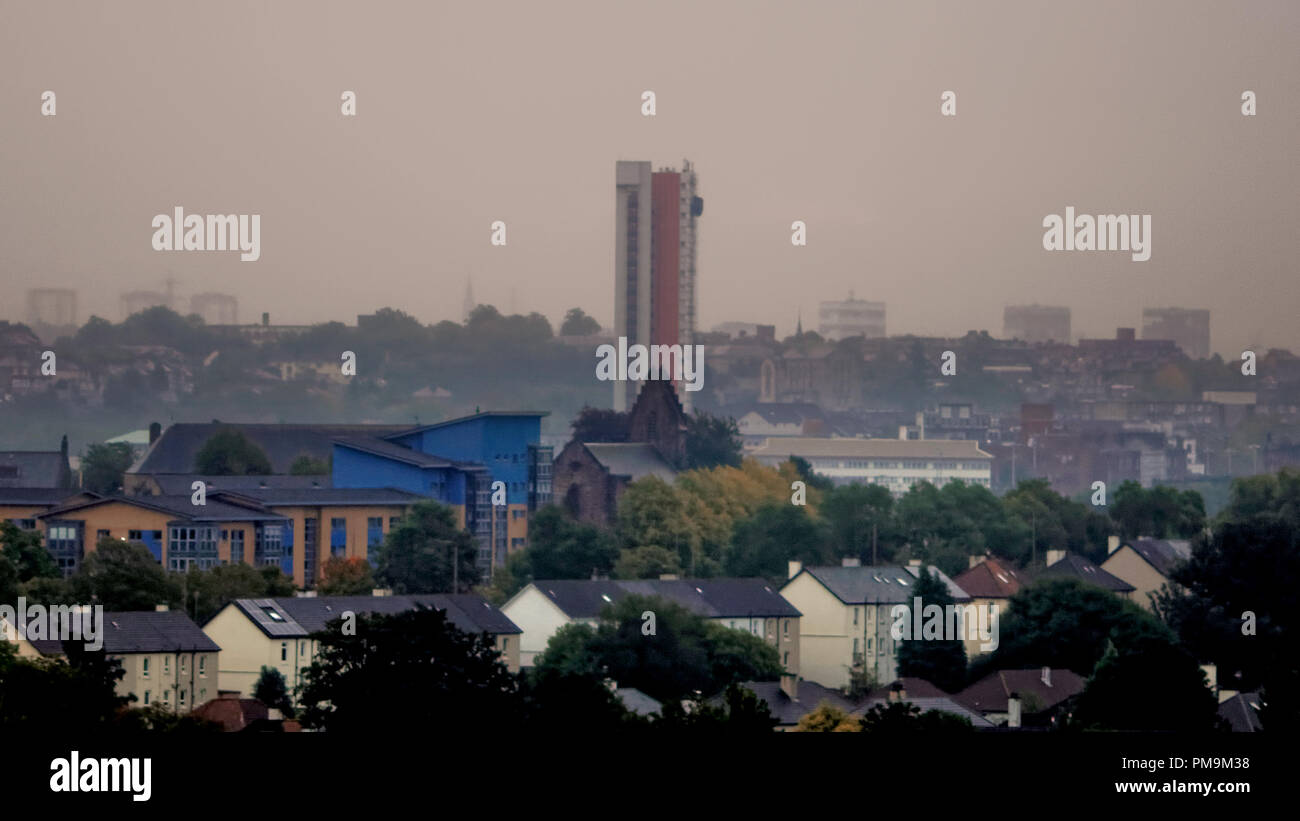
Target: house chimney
(1112, 544)
(266, 319)
(794, 568)
(1054, 556)
(155, 430)
(1013, 711)
(896, 692)
(848, 561)
(913, 562)
(667, 577)
(902, 433)
(381, 591)
(160, 608)
(790, 686)
(1047, 676)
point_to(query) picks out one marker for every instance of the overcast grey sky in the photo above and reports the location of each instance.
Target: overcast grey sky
(826, 112)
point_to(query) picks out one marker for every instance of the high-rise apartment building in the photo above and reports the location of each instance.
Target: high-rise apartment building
(1188, 328)
(56, 307)
(851, 317)
(654, 260)
(1036, 323)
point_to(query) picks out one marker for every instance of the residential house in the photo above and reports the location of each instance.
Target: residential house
(544, 606)
(1146, 564)
(277, 633)
(847, 618)
(1065, 564)
(1023, 698)
(36, 468)
(167, 659)
(924, 696)
(990, 582)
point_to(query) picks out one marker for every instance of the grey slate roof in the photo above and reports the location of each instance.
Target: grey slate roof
(1074, 566)
(324, 496)
(31, 468)
(631, 459)
(39, 495)
(638, 702)
(380, 447)
(877, 585)
(1242, 713)
(1162, 554)
(145, 631)
(788, 711)
(709, 598)
(471, 417)
(175, 449)
(302, 615)
(175, 484)
(182, 507)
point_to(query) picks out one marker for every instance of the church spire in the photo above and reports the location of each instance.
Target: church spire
(469, 298)
(798, 327)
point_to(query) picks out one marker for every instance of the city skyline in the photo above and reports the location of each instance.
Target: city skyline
(791, 116)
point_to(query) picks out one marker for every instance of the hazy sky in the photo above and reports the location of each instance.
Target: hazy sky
(826, 112)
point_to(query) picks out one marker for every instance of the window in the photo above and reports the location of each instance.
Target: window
(284, 651)
(785, 627)
(182, 663)
(181, 699)
(302, 648)
(505, 644)
(167, 696)
(101, 535)
(203, 673)
(786, 659)
(167, 665)
(144, 667)
(237, 546)
(146, 698)
(855, 617)
(338, 537)
(855, 647)
(394, 521)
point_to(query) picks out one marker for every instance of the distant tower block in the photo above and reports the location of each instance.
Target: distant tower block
(216, 309)
(133, 302)
(655, 223)
(52, 306)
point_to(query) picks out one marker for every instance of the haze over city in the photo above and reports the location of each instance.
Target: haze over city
(827, 113)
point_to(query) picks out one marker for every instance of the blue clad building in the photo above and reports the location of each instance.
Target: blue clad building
(458, 462)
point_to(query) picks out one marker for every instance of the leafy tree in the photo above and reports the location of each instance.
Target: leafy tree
(103, 466)
(228, 452)
(1066, 623)
(59, 697)
(1176, 696)
(1161, 512)
(828, 718)
(1236, 602)
(207, 591)
(712, 441)
(309, 466)
(418, 554)
(806, 474)
(647, 562)
(272, 691)
(764, 544)
(47, 590)
(9, 589)
(560, 548)
(123, 576)
(738, 655)
(30, 558)
(904, 717)
(600, 425)
(160, 719)
(738, 712)
(854, 513)
(558, 702)
(571, 651)
(342, 576)
(577, 323)
(445, 680)
(508, 579)
(942, 662)
(652, 512)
